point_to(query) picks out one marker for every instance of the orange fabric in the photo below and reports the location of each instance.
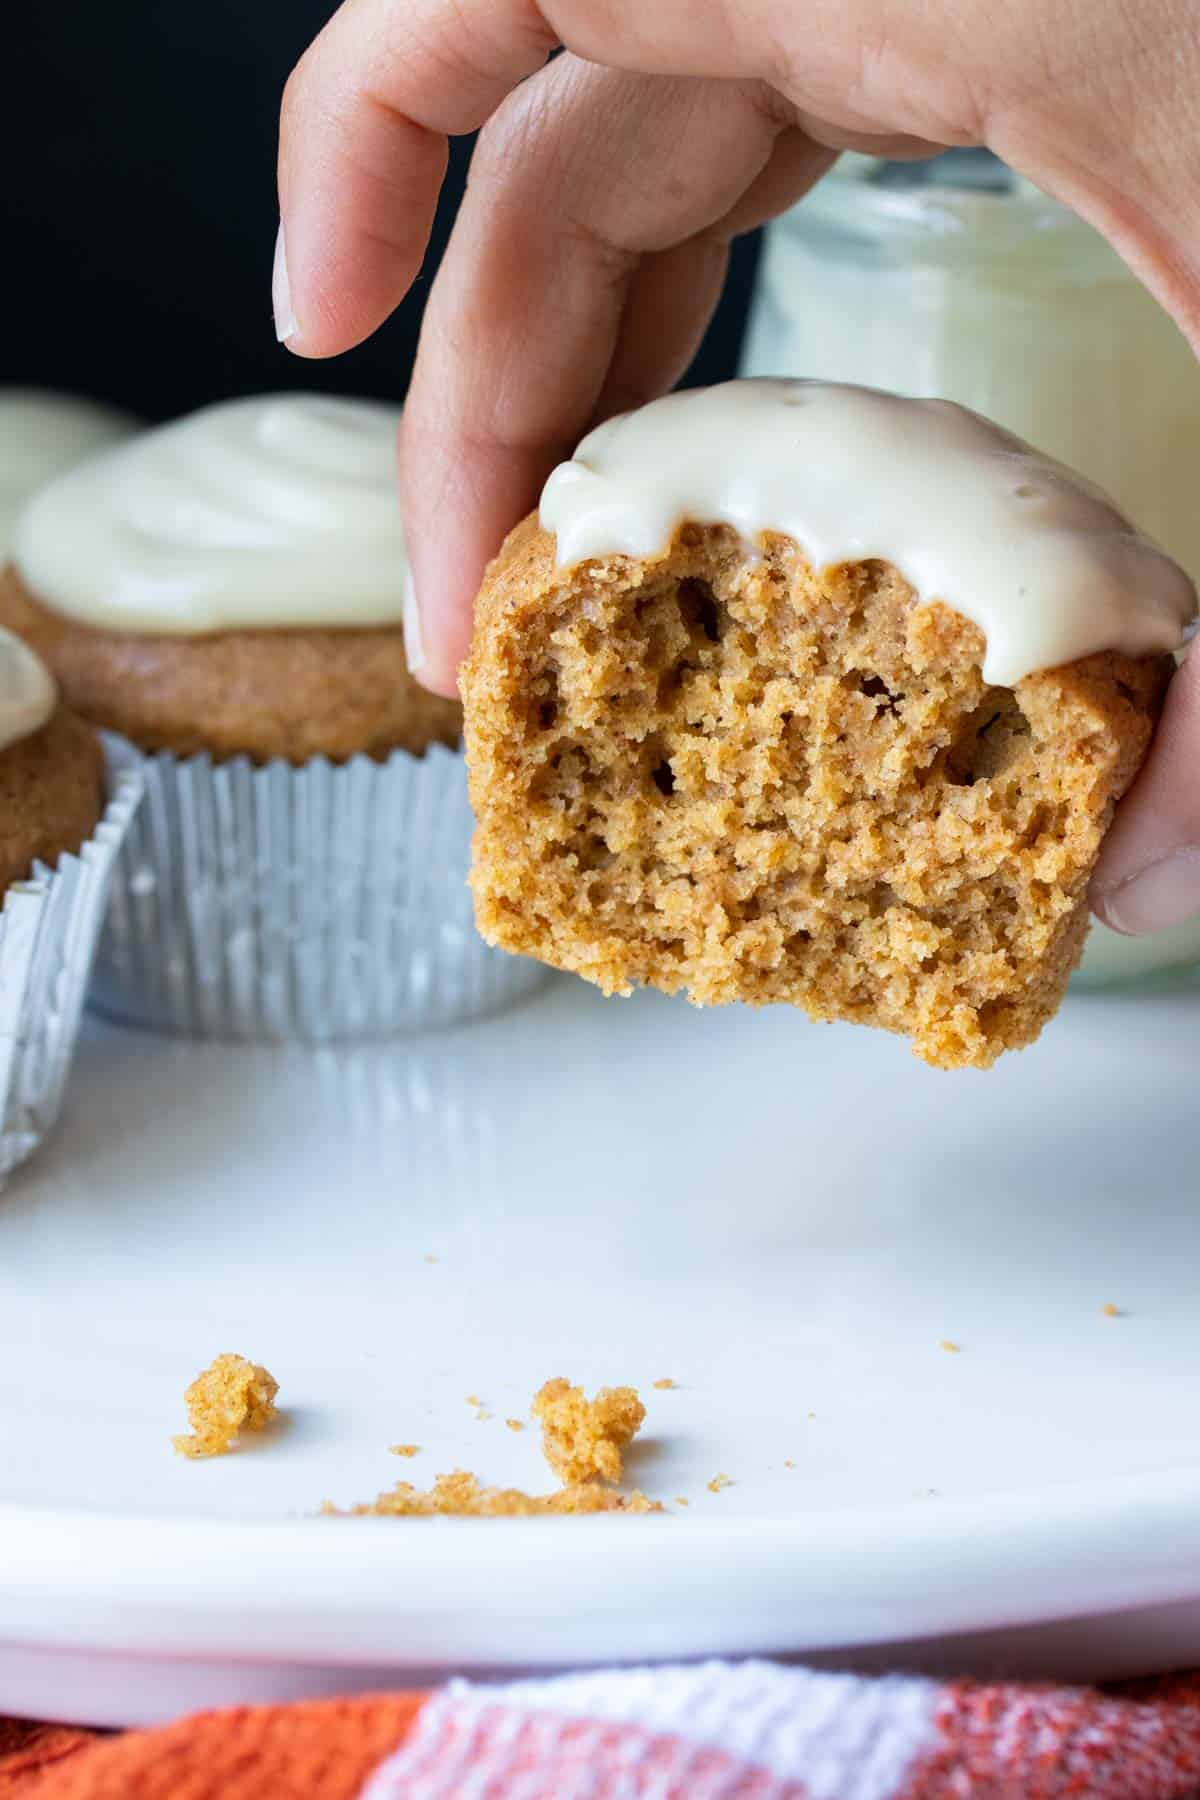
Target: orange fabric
(324, 1748)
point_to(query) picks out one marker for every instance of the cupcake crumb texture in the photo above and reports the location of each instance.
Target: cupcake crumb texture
(583, 1439)
(461, 1495)
(231, 1396)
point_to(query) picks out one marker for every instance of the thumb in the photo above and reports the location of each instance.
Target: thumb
(1148, 875)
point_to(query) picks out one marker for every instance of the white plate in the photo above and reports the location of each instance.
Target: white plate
(786, 1219)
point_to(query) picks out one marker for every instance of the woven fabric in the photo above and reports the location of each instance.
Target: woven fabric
(714, 1731)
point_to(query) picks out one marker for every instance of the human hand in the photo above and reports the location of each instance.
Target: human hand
(606, 187)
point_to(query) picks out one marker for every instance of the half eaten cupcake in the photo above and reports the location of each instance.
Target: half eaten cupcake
(808, 693)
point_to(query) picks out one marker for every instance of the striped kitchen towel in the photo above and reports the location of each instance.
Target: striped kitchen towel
(712, 1731)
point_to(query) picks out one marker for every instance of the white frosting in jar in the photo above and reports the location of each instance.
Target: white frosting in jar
(1039, 558)
(28, 694)
(276, 511)
(42, 433)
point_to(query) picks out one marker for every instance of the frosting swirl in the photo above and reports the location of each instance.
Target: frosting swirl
(1039, 558)
(275, 511)
(42, 433)
(28, 694)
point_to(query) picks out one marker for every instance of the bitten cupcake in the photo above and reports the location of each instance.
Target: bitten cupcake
(41, 434)
(225, 593)
(812, 694)
(62, 818)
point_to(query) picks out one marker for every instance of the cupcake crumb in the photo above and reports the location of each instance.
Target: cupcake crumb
(515, 1424)
(950, 1345)
(666, 1382)
(1112, 1312)
(474, 1400)
(404, 1449)
(462, 1495)
(788, 1464)
(718, 1482)
(230, 1396)
(583, 1439)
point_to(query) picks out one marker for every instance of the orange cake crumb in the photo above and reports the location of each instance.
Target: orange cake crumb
(718, 1482)
(460, 1495)
(583, 1439)
(950, 1345)
(230, 1396)
(1110, 1311)
(515, 1424)
(405, 1449)
(666, 1382)
(680, 1501)
(787, 1464)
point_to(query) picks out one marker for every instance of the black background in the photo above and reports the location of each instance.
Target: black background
(138, 210)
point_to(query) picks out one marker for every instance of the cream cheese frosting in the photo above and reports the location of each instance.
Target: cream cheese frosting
(1036, 556)
(41, 434)
(275, 511)
(28, 694)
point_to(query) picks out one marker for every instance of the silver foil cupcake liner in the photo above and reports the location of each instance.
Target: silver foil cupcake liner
(313, 904)
(49, 926)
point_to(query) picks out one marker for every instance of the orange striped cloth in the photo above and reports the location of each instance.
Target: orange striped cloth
(715, 1731)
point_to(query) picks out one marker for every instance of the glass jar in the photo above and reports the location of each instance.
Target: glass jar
(953, 277)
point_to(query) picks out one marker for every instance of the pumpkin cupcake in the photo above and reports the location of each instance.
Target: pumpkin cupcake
(225, 595)
(813, 694)
(63, 814)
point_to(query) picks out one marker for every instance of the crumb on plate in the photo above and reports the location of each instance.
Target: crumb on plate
(515, 1424)
(583, 1439)
(950, 1345)
(1110, 1311)
(666, 1382)
(230, 1396)
(718, 1482)
(461, 1495)
(404, 1449)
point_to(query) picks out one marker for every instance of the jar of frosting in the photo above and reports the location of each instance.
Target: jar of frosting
(955, 278)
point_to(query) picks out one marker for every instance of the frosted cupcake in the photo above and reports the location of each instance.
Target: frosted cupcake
(63, 815)
(225, 593)
(41, 434)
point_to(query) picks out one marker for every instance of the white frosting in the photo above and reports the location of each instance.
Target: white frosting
(28, 695)
(1040, 559)
(42, 433)
(275, 511)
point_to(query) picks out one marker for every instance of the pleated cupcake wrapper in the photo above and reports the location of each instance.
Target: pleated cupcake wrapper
(49, 926)
(315, 904)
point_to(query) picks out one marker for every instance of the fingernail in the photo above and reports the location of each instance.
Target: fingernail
(281, 293)
(1162, 894)
(414, 642)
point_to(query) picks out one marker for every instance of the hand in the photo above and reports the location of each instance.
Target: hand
(606, 187)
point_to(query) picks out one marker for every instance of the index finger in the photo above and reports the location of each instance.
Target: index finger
(368, 109)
